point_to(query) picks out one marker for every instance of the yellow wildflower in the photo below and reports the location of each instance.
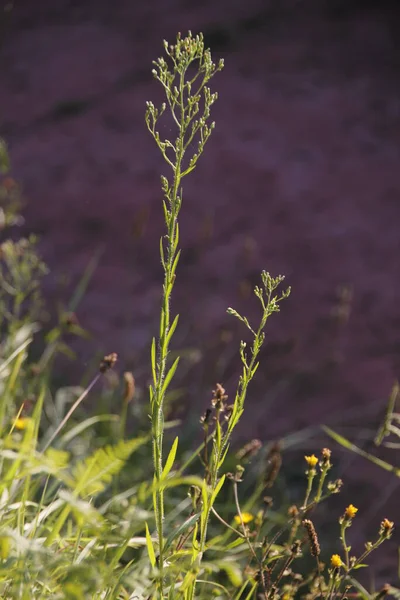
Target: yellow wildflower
(336, 561)
(351, 511)
(22, 422)
(311, 460)
(247, 517)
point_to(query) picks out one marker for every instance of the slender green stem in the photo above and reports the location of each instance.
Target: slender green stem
(310, 479)
(345, 547)
(321, 482)
(163, 350)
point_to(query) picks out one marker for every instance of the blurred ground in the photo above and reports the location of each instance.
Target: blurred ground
(301, 177)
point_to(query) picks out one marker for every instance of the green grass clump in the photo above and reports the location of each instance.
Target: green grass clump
(87, 511)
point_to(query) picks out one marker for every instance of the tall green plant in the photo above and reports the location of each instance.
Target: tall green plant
(184, 76)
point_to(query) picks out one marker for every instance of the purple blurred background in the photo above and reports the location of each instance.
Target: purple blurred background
(301, 177)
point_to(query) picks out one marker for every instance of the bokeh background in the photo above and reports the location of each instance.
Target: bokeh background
(301, 177)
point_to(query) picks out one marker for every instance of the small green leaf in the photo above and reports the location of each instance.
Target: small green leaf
(221, 462)
(175, 263)
(176, 241)
(235, 543)
(218, 434)
(153, 360)
(217, 490)
(166, 212)
(170, 459)
(172, 329)
(255, 369)
(204, 496)
(350, 446)
(162, 252)
(186, 525)
(169, 376)
(150, 547)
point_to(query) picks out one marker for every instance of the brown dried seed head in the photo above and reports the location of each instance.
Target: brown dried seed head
(129, 389)
(312, 537)
(268, 501)
(108, 362)
(326, 453)
(274, 463)
(249, 450)
(219, 392)
(219, 397)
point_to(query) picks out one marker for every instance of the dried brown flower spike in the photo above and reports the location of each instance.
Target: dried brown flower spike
(129, 386)
(108, 362)
(315, 548)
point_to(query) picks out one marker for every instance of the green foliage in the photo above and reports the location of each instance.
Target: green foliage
(89, 512)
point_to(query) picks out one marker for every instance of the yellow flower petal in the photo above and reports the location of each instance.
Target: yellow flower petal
(311, 460)
(336, 561)
(22, 423)
(351, 511)
(247, 517)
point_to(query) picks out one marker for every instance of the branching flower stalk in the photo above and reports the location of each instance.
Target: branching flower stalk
(220, 444)
(184, 77)
(340, 571)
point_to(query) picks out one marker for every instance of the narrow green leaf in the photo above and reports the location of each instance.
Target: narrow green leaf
(218, 434)
(162, 323)
(252, 590)
(255, 369)
(217, 490)
(186, 525)
(175, 263)
(221, 462)
(177, 481)
(204, 497)
(350, 446)
(172, 329)
(150, 547)
(170, 460)
(169, 376)
(37, 413)
(166, 212)
(153, 360)
(235, 543)
(162, 252)
(151, 391)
